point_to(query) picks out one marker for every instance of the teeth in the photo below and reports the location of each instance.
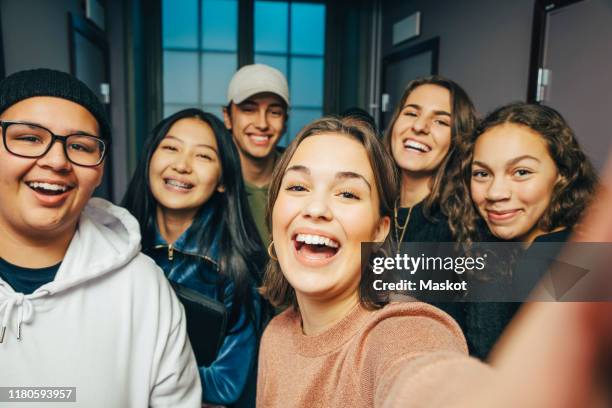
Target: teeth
(417, 145)
(316, 240)
(176, 183)
(48, 186)
(260, 138)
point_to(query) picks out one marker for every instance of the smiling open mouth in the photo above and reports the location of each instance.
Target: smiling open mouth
(414, 145)
(48, 188)
(178, 184)
(315, 246)
(260, 139)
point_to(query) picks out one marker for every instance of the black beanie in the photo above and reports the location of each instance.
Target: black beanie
(48, 82)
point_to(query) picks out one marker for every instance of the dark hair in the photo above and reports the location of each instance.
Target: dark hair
(275, 286)
(362, 115)
(571, 194)
(463, 122)
(241, 254)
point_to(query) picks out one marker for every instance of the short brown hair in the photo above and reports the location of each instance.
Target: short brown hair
(275, 286)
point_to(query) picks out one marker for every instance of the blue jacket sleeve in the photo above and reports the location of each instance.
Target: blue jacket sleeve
(224, 380)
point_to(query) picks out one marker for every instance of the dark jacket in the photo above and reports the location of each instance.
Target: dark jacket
(197, 268)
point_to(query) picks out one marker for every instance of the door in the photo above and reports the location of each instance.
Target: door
(398, 69)
(89, 62)
(575, 70)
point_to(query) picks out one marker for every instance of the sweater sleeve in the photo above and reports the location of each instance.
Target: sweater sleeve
(418, 357)
(436, 380)
(225, 379)
(262, 368)
(406, 330)
(175, 375)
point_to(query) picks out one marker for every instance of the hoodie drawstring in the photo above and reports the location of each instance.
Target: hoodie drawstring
(25, 310)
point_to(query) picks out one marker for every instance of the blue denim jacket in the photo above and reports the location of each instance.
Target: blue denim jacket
(197, 268)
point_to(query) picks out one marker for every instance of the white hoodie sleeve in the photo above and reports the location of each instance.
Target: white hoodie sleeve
(176, 381)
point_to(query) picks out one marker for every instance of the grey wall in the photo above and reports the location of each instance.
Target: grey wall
(35, 33)
(484, 44)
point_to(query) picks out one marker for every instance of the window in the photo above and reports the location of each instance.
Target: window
(290, 36)
(200, 47)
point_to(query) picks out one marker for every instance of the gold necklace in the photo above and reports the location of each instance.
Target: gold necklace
(398, 228)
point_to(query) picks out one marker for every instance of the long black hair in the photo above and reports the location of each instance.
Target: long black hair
(241, 254)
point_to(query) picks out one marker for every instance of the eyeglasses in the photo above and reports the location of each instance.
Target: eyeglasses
(33, 141)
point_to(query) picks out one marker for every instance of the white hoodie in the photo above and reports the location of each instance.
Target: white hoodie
(109, 324)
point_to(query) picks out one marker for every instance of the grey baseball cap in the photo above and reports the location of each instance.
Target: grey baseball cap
(257, 78)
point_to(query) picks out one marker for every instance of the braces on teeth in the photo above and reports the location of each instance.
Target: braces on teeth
(177, 184)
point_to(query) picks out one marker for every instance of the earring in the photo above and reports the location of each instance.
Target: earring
(270, 249)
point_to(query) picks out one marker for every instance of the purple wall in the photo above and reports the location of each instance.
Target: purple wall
(484, 44)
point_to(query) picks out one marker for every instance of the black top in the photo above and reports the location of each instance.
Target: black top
(559, 236)
(434, 228)
(537, 260)
(26, 280)
(484, 322)
(481, 322)
(421, 228)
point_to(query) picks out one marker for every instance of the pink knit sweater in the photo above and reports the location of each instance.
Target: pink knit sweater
(405, 354)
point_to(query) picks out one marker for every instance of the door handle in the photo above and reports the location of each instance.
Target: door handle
(543, 82)
(384, 102)
(105, 91)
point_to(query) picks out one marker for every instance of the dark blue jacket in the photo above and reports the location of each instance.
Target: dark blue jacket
(197, 268)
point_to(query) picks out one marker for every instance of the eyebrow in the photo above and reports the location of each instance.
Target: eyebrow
(419, 107)
(82, 132)
(341, 175)
(481, 164)
(523, 157)
(198, 145)
(69, 133)
(510, 162)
